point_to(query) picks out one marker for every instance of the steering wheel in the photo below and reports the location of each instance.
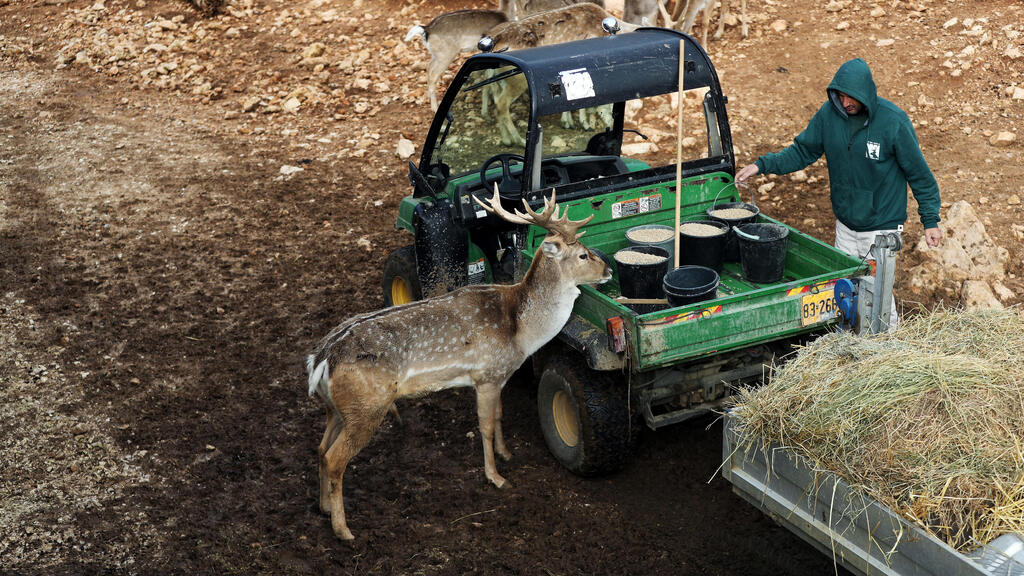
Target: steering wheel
(508, 186)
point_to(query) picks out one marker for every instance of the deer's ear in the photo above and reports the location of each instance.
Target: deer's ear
(551, 248)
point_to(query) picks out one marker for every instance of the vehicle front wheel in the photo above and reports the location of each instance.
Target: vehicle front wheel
(400, 283)
(585, 417)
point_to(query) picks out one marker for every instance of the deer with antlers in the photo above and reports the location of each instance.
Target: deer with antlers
(475, 336)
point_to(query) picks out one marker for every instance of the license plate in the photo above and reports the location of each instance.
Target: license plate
(820, 307)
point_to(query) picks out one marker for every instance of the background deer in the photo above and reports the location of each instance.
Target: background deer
(685, 13)
(450, 34)
(637, 11)
(458, 31)
(515, 9)
(475, 336)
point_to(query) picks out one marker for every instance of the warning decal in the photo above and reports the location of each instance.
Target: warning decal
(636, 206)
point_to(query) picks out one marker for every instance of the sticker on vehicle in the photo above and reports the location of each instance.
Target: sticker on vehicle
(477, 272)
(578, 84)
(636, 206)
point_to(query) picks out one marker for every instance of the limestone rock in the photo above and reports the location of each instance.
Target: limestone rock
(1002, 292)
(639, 148)
(250, 104)
(977, 294)
(799, 176)
(779, 25)
(314, 50)
(405, 148)
(967, 252)
(1002, 139)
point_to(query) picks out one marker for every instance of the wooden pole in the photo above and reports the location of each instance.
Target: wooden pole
(679, 147)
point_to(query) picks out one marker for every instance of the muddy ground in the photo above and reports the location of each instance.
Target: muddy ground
(164, 267)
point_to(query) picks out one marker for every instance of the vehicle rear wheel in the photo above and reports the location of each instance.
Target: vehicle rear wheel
(399, 282)
(585, 417)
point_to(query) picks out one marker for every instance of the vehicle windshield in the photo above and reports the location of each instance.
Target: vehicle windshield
(488, 116)
(571, 132)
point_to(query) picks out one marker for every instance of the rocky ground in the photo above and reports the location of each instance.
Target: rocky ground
(188, 202)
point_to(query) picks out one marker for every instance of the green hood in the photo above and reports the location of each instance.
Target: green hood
(854, 79)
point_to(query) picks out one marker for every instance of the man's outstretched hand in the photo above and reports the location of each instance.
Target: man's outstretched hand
(746, 172)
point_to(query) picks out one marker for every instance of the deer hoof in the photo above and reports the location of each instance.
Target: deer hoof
(500, 482)
(344, 533)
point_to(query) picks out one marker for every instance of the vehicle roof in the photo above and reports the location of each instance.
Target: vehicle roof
(621, 67)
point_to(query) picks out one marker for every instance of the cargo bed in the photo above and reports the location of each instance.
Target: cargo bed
(743, 314)
(859, 533)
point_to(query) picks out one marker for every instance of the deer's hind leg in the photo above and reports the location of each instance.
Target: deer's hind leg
(354, 436)
(363, 404)
(330, 435)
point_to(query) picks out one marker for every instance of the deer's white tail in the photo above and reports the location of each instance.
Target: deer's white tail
(415, 31)
(318, 376)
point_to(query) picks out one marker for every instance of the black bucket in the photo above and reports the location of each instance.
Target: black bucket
(701, 247)
(689, 284)
(732, 253)
(763, 251)
(642, 279)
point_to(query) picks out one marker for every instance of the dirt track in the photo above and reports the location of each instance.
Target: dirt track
(161, 279)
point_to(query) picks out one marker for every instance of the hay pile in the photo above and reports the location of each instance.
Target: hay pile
(928, 419)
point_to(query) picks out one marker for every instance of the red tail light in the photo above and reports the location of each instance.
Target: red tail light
(616, 334)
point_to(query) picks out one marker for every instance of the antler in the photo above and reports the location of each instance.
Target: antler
(549, 219)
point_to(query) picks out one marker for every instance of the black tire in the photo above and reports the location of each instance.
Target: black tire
(585, 417)
(400, 283)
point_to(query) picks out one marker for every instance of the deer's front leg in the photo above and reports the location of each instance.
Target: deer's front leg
(488, 398)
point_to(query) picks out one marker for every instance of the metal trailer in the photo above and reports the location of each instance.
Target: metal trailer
(862, 536)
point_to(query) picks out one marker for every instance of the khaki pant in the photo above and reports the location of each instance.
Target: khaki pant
(858, 244)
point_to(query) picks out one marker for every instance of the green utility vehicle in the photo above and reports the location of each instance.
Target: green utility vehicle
(611, 368)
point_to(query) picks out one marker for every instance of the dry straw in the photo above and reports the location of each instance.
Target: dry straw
(927, 419)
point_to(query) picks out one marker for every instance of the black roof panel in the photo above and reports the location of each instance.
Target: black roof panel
(621, 67)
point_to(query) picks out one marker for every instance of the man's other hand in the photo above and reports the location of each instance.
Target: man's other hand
(931, 235)
(747, 171)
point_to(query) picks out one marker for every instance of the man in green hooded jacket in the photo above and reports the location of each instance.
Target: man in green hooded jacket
(872, 154)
